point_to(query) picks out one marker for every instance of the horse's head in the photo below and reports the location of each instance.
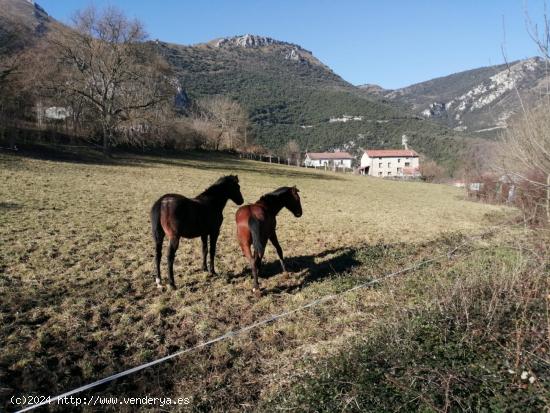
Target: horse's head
(292, 202)
(233, 189)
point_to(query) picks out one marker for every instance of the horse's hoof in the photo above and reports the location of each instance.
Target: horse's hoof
(257, 292)
(213, 274)
(172, 287)
(285, 275)
(157, 282)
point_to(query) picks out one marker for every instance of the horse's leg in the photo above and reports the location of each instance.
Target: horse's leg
(174, 244)
(275, 242)
(245, 247)
(258, 256)
(158, 244)
(258, 262)
(255, 263)
(213, 241)
(204, 239)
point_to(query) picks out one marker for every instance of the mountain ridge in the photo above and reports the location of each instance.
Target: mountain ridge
(481, 101)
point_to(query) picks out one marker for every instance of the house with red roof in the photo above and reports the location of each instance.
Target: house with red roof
(329, 159)
(390, 163)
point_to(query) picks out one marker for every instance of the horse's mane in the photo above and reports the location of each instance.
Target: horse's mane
(276, 193)
(216, 186)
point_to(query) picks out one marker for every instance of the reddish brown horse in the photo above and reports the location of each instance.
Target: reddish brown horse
(177, 216)
(256, 224)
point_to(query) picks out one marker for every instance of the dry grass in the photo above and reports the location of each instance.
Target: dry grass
(77, 287)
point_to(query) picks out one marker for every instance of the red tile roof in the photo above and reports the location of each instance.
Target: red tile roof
(329, 155)
(391, 153)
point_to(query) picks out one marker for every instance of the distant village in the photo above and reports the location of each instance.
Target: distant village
(382, 163)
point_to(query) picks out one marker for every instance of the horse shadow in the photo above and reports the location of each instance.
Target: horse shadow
(10, 205)
(132, 157)
(305, 269)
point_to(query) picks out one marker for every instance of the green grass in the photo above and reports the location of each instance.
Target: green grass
(77, 285)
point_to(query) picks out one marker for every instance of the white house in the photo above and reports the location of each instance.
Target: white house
(390, 163)
(57, 112)
(345, 118)
(328, 159)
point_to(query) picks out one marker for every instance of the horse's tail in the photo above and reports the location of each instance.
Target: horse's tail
(254, 226)
(158, 232)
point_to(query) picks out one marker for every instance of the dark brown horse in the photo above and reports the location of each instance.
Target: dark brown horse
(256, 224)
(177, 216)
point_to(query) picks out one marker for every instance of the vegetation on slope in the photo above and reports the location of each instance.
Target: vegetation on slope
(444, 89)
(290, 100)
(481, 101)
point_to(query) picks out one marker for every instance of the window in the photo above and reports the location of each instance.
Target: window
(380, 165)
(389, 164)
(407, 164)
(379, 173)
(389, 173)
(399, 171)
(398, 160)
(379, 159)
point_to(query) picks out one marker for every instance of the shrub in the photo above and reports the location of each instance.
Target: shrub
(526, 158)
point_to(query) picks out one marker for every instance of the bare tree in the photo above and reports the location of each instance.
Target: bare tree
(478, 159)
(227, 119)
(11, 46)
(431, 171)
(8, 67)
(526, 143)
(526, 152)
(292, 151)
(14, 87)
(104, 61)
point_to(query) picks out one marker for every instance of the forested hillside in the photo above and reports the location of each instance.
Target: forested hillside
(290, 95)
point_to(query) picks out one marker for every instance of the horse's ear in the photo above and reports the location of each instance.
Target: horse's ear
(236, 178)
(296, 189)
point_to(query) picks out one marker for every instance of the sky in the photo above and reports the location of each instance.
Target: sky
(392, 43)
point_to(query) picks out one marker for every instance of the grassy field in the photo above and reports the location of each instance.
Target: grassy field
(78, 299)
